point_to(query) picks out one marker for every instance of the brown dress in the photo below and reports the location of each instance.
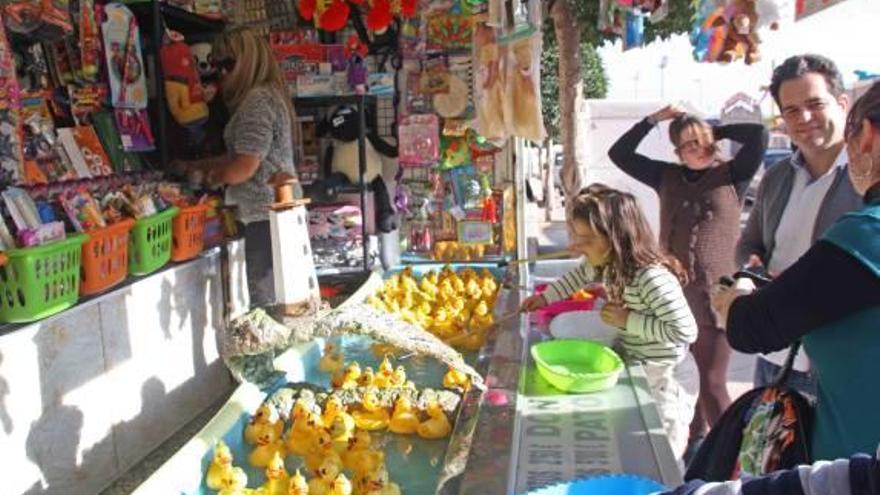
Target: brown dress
(699, 225)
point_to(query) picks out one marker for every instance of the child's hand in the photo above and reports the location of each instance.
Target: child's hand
(533, 303)
(614, 315)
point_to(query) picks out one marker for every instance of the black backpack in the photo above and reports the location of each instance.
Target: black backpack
(765, 430)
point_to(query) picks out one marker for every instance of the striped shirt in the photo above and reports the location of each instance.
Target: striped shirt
(660, 325)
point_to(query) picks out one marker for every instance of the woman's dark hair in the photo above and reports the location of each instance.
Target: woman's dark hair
(616, 215)
(866, 107)
(801, 65)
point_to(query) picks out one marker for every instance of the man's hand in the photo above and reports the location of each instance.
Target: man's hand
(533, 303)
(723, 296)
(614, 315)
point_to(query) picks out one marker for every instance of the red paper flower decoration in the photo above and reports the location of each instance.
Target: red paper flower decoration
(408, 8)
(334, 17)
(379, 17)
(307, 9)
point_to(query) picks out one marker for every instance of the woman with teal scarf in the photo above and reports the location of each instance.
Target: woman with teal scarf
(831, 300)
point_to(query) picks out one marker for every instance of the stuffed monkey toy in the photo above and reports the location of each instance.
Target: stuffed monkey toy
(183, 90)
(742, 37)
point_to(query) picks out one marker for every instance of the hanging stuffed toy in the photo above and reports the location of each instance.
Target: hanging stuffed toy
(207, 71)
(522, 82)
(742, 37)
(183, 89)
(356, 53)
(490, 83)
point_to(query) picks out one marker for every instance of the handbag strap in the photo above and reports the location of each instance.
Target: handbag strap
(785, 372)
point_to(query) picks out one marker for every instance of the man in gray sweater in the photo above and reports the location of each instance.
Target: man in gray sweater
(801, 196)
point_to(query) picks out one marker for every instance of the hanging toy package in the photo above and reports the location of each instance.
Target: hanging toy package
(10, 117)
(418, 140)
(183, 89)
(523, 80)
(489, 82)
(128, 84)
(89, 42)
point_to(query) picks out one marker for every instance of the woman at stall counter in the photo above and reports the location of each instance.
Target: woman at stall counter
(700, 206)
(259, 145)
(645, 300)
(830, 298)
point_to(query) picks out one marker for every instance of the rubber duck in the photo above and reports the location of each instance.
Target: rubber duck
(332, 360)
(341, 486)
(472, 341)
(341, 431)
(409, 316)
(437, 425)
(481, 318)
(277, 479)
(371, 416)
(456, 379)
(358, 452)
(428, 287)
(322, 451)
(348, 378)
(398, 379)
(268, 444)
(376, 302)
(234, 482)
(265, 417)
(473, 290)
(220, 466)
(325, 474)
(404, 420)
(301, 436)
(332, 407)
(367, 377)
(377, 482)
(442, 325)
(298, 484)
(384, 374)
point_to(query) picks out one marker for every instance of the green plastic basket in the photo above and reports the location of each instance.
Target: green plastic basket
(150, 239)
(40, 281)
(577, 366)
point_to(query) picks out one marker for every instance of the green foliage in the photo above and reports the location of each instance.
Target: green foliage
(595, 80)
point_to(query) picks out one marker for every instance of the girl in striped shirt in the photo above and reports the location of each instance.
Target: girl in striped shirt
(645, 299)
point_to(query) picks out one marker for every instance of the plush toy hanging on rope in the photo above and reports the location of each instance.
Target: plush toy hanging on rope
(381, 13)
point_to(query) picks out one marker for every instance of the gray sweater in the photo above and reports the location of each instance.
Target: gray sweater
(759, 235)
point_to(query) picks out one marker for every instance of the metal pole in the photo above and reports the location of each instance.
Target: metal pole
(362, 169)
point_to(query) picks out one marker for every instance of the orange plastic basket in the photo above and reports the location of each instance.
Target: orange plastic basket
(105, 258)
(188, 232)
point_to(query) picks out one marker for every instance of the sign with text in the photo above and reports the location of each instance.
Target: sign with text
(563, 438)
(475, 232)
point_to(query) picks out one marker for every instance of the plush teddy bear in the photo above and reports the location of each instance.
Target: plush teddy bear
(742, 37)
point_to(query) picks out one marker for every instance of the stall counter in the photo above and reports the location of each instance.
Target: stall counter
(529, 435)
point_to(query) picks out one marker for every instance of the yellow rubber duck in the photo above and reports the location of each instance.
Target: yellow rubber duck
(298, 484)
(472, 341)
(332, 408)
(322, 451)
(481, 318)
(325, 474)
(348, 377)
(404, 419)
(367, 377)
(376, 302)
(358, 446)
(341, 430)
(384, 374)
(377, 482)
(437, 425)
(332, 360)
(234, 482)
(399, 378)
(268, 444)
(371, 416)
(277, 479)
(442, 325)
(341, 486)
(221, 466)
(456, 379)
(301, 437)
(265, 417)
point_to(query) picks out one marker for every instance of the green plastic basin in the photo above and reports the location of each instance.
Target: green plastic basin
(577, 366)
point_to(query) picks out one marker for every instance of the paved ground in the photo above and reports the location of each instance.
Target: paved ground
(552, 236)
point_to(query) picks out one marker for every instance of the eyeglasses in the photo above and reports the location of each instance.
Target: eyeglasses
(691, 145)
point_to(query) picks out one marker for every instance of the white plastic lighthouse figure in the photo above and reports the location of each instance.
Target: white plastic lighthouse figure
(296, 283)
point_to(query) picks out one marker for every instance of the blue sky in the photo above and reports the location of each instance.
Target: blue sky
(636, 74)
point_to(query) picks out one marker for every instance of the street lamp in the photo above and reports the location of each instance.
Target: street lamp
(664, 61)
